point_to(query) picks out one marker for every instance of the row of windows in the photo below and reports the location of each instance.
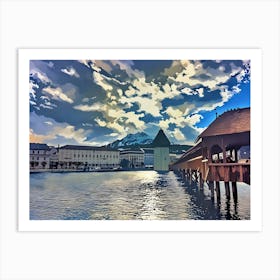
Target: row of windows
(107, 156)
(37, 158)
(133, 158)
(92, 164)
(38, 152)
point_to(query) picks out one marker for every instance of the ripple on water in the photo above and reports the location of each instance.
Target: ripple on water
(142, 195)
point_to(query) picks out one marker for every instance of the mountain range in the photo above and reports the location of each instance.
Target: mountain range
(137, 139)
(141, 139)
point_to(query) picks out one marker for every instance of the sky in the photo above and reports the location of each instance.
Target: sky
(95, 102)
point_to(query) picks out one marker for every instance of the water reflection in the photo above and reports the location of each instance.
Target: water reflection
(142, 195)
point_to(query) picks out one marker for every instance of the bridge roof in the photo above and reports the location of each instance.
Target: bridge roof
(230, 122)
(191, 153)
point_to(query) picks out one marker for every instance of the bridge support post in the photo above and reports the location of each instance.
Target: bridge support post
(196, 176)
(184, 175)
(211, 186)
(218, 191)
(190, 178)
(234, 191)
(201, 183)
(227, 190)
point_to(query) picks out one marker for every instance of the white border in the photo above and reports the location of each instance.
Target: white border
(254, 224)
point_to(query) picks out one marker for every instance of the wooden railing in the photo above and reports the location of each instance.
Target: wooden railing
(229, 172)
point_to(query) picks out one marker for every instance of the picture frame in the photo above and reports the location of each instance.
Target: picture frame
(139, 255)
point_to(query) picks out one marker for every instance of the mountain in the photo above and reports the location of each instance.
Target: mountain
(140, 138)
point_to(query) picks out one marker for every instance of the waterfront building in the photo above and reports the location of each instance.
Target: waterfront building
(88, 158)
(132, 158)
(53, 152)
(148, 157)
(161, 146)
(39, 157)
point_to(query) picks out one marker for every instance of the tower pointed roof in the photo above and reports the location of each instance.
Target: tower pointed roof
(161, 140)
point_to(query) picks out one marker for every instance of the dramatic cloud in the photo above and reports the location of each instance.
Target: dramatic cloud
(94, 101)
(57, 93)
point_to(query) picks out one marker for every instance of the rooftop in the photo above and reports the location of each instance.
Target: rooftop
(132, 150)
(38, 146)
(230, 122)
(161, 140)
(77, 147)
(148, 151)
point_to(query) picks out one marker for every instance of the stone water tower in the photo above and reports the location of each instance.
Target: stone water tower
(161, 146)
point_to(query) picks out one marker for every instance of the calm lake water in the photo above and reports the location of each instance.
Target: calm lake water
(128, 195)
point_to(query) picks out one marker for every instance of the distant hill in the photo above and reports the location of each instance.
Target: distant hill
(143, 140)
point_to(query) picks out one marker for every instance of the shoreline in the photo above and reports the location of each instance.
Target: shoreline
(85, 171)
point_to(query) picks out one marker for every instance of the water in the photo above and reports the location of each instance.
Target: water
(128, 195)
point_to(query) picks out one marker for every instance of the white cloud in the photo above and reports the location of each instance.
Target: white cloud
(100, 122)
(126, 66)
(69, 132)
(200, 92)
(113, 134)
(164, 124)
(178, 134)
(175, 113)
(145, 104)
(57, 93)
(236, 89)
(71, 72)
(32, 87)
(99, 80)
(40, 75)
(193, 119)
(90, 108)
(87, 124)
(54, 129)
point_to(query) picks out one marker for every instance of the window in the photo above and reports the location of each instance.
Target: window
(37, 158)
(38, 152)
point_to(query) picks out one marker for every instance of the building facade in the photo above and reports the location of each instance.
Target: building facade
(88, 158)
(148, 157)
(132, 158)
(161, 146)
(39, 156)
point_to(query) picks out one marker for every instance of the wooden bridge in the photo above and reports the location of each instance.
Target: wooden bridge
(215, 158)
